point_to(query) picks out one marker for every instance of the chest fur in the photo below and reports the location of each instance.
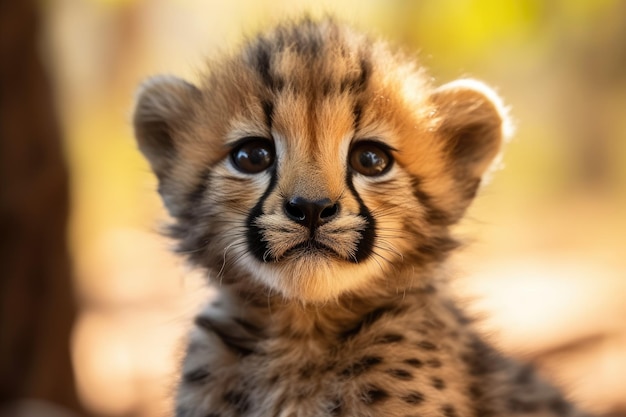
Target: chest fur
(390, 361)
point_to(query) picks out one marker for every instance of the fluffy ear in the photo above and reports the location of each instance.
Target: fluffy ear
(472, 120)
(163, 106)
(471, 123)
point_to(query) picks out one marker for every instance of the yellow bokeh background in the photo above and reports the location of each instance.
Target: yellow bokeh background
(546, 262)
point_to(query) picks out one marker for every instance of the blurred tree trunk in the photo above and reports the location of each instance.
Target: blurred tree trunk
(37, 306)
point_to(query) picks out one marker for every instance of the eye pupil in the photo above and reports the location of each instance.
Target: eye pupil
(253, 155)
(370, 158)
(259, 156)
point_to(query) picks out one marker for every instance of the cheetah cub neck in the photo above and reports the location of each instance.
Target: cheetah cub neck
(314, 174)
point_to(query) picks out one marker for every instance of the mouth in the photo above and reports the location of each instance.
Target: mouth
(311, 247)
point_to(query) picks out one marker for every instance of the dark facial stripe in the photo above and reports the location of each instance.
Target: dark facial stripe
(262, 56)
(357, 111)
(196, 195)
(257, 246)
(268, 110)
(366, 71)
(434, 215)
(306, 39)
(365, 246)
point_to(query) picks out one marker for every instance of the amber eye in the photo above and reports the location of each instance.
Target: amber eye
(370, 158)
(253, 155)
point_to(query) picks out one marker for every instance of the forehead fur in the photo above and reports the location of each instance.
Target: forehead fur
(317, 81)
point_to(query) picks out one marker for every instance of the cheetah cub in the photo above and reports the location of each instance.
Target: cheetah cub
(315, 175)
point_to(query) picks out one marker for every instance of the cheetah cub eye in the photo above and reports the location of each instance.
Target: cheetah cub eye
(316, 164)
(253, 155)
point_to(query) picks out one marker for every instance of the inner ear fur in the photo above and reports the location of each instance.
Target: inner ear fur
(472, 122)
(163, 107)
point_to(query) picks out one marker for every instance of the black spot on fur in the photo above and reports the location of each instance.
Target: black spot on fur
(230, 341)
(182, 411)
(401, 374)
(426, 345)
(475, 391)
(373, 394)
(517, 405)
(361, 366)
(238, 400)
(196, 376)
(449, 411)
(389, 338)
(413, 398)
(414, 362)
(369, 319)
(438, 383)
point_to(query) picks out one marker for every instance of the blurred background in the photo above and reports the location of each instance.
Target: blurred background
(94, 307)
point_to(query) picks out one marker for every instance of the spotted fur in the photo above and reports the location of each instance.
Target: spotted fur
(332, 300)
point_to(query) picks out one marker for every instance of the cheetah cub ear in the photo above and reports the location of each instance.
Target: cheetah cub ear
(472, 123)
(163, 108)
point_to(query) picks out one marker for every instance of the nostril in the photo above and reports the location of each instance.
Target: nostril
(310, 213)
(329, 212)
(293, 211)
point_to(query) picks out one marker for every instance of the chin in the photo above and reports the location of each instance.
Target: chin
(312, 278)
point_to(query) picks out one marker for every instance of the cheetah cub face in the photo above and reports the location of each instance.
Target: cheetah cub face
(315, 162)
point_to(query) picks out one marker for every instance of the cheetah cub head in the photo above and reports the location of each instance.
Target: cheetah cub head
(316, 162)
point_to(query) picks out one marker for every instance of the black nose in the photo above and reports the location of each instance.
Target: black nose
(311, 213)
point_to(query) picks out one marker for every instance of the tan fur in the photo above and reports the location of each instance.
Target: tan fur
(332, 300)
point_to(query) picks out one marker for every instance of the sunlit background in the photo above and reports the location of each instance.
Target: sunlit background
(545, 263)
